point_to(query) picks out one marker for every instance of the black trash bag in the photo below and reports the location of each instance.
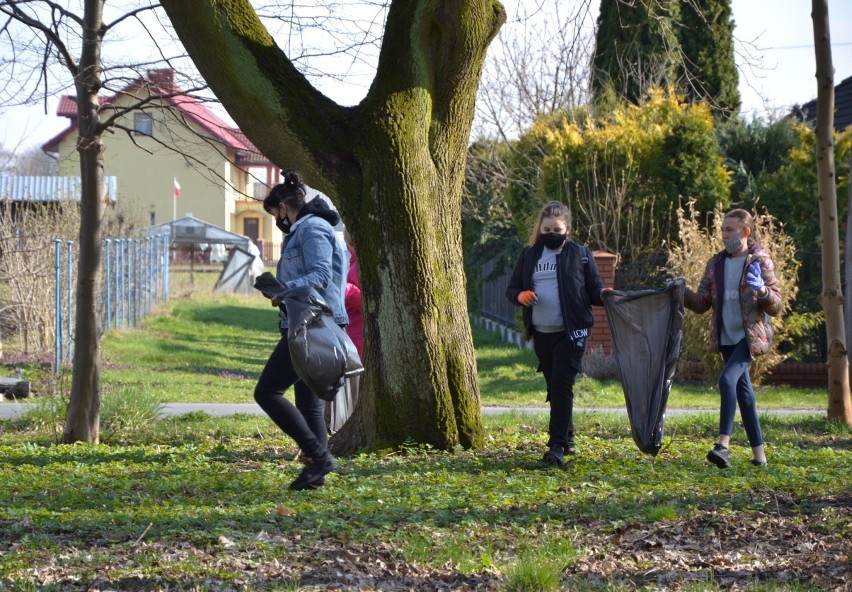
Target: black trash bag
(647, 330)
(322, 353)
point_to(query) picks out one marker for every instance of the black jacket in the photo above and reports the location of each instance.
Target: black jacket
(579, 284)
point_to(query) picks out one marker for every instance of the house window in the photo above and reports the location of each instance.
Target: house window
(143, 124)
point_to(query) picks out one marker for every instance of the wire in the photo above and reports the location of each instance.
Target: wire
(842, 44)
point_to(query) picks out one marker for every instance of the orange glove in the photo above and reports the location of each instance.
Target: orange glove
(527, 298)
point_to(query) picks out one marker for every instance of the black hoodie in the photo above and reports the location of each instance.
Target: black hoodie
(318, 206)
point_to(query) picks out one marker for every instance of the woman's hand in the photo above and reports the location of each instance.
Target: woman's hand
(527, 298)
(754, 280)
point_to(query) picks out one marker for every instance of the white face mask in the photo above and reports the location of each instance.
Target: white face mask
(733, 244)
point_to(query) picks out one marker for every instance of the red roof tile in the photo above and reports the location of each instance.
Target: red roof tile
(251, 155)
(67, 107)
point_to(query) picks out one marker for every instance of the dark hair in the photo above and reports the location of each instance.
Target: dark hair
(554, 209)
(292, 192)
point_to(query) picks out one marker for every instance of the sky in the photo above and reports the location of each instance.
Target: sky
(778, 35)
(773, 45)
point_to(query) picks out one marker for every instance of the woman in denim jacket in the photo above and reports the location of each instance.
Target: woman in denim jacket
(311, 255)
(739, 284)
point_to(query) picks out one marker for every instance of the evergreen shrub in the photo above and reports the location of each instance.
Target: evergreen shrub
(622, 174)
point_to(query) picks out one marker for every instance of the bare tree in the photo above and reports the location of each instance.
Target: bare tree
(58, 48)
(839, 404)
(847, 295)
(538, 66)
(82, 420)
(58, 35)
(34, 161)
(7, 161)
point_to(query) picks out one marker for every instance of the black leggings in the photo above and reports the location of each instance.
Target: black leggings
(304, 421)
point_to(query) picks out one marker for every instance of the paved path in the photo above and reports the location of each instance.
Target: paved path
(10, 409)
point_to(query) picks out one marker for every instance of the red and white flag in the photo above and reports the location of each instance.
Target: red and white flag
(177, 188)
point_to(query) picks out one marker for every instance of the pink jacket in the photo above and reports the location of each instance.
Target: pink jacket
(352, 301)
(756, 311)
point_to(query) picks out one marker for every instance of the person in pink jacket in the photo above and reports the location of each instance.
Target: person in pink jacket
(352, 300)
(739, 284)
(338, 411)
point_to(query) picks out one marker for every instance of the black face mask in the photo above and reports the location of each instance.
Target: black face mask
(552, 240)
(283, 224)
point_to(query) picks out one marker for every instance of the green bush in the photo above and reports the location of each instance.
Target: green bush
(128, 410)
(621, 175)
(755, 148)
(46, 415)
(790, 192)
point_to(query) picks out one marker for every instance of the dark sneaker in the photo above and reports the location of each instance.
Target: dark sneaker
(306, 460)
(555, 457)
(313, 475)
(720, 456)
(758, 463)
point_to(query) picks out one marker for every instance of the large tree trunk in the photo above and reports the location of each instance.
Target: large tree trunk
(395, 166)
(82, 422)
(839, 405)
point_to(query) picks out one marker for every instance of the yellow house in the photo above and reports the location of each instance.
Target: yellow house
(172, 156)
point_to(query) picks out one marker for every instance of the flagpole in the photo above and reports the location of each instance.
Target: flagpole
(174, 204)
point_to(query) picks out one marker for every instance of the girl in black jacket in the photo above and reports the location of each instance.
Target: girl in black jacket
(557, 281)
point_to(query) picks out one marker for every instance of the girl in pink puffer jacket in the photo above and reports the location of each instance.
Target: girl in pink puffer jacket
(739, 284)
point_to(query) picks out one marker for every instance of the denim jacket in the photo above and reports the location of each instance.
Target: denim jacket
(313, 255)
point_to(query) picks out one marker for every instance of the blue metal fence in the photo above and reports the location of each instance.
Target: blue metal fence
(134, 277)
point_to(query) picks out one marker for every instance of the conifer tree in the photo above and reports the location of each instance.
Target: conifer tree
(708, 71)
(635, 48)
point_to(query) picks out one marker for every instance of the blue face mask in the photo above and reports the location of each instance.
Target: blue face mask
(552, 240)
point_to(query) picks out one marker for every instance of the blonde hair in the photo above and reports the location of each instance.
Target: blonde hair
(554, 209)
(746, 219)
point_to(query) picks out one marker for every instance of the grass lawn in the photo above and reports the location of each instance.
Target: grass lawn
(201, 503)
(507, 376)
(197, 503)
